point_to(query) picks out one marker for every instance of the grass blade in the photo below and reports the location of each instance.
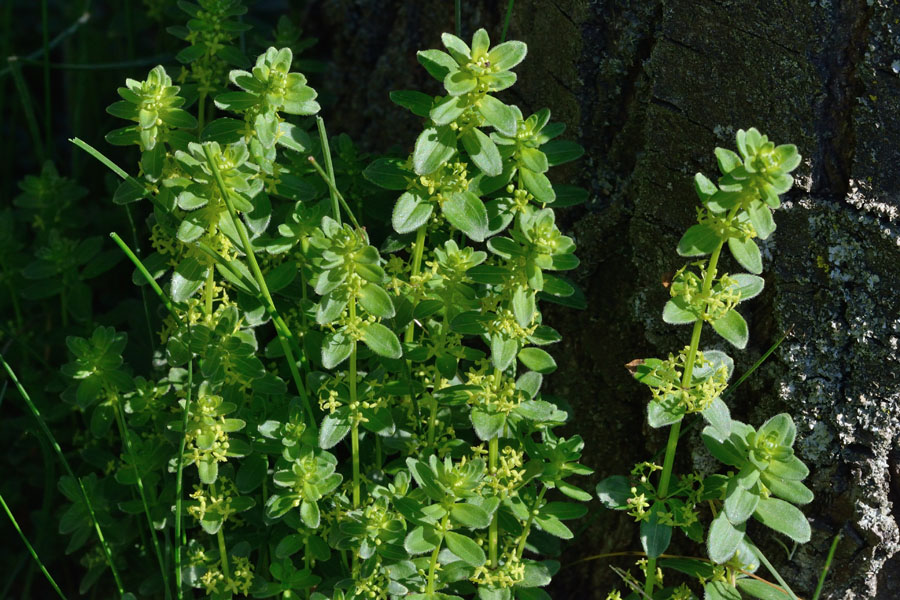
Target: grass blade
(62, 458)
(179, 483)
(31, 550)
(509, 9)
(828, 559)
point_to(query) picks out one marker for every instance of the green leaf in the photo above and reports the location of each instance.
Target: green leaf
(784, 518)
(655, 536)
(791, 490)
(437, 63)
(724, 539)
(465, 211)
(719, 418)
(503, 351)
(537, 359)
(554, 526)
(421, 539)
(678, 312)
(698, 241)
(335, 427)
(253, 470)
(523, 306)
(728, 160)
(223, 131)
(733, 328)
(533, 159)
(761, 218)
(411, 211)
(289, 545)
(293, 138)
(130, 190)
(376, 301)
(336, 348)
(746, 253)
(459, 82)
(720, 590)
(614, 492)
(507, 55)
(381, 340)
(389, 173)
(434, 147)
(309, 513)
(749, 286)
(564, 511)
(663, 413)
(498, 115)
(189, 275)
(448, 110)
(416, 102)
(762, 589)
(538, 185)
(487, 425)
(562, 151)
(208, 469)
(483, 152)
(739, 502)
(465, 548)
(469, 515)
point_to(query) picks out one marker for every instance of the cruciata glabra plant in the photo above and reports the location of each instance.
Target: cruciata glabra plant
(328, 419)
(765, 480)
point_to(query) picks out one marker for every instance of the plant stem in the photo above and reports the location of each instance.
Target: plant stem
(527, 530)
(493, 447)
(771, 569)
(45, 33)
(284, 334)
(432, 568)
(25, 98)
(126, 441)
(509, 9)
(828, 559)
(418, 251)
(209, 286)
(223, 552)
(458, 17)
(62, 458)
(332, 188)
(143, 271)
(71, 29)
(689, 360)
(179, 481)
(31, 549)
(326, 154)
(354, 403)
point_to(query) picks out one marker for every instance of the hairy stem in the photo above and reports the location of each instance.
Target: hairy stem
(354, 402)
(672, 445)
(432, 567)
(527, 530)
(179, 481)
(493, 531)
(284, 335)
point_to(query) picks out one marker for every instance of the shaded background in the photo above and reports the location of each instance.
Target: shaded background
(649, 88)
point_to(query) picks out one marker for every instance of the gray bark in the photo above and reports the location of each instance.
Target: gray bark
(649, 88)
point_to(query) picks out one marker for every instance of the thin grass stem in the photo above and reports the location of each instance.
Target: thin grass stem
(68, 31)
(62, 457)
(335, 193)
(326, 155)
(28, 108)
(126, 440)
(48, 116)
(509, 9)
(284, 334)
(179, 482)
(771, 569)
(821, 584)
(31, 550)
(145, 273)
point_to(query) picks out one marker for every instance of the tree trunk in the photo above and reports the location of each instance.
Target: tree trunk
(649, 88)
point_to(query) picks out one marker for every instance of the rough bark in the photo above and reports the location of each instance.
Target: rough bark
(649, 88)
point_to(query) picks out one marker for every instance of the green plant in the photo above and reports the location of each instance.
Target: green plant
(766, 477)
(411, 453)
